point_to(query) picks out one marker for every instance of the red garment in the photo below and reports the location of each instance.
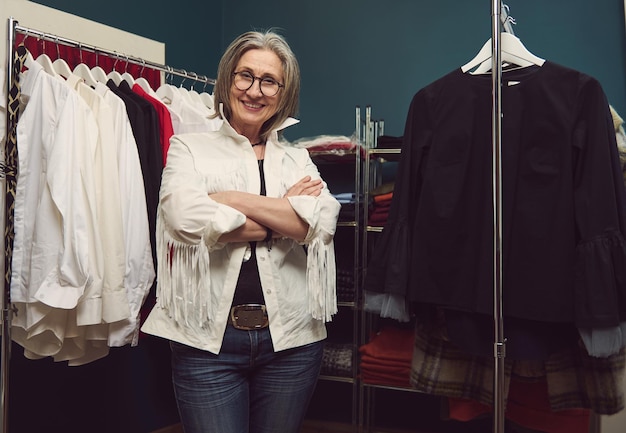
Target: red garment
(391, 343)
(528, 406)
(383, 197)
(378, 217)
(74, 55)
(166, 129)
(386, 358)
(381, 378)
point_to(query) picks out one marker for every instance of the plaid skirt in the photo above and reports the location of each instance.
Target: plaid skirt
(575, 379)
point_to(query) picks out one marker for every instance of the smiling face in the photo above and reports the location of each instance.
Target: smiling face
(250, 108)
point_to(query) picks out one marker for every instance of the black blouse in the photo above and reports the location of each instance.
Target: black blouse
(562, 200)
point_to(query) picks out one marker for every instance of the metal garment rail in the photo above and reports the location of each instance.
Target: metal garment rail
(130, 59)
(13, 27)
(499, 347)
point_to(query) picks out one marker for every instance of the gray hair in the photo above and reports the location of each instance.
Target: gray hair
(264, 40)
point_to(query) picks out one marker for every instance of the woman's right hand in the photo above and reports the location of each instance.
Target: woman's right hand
(306, 186)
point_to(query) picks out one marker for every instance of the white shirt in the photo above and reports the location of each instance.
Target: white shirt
(193, 301)
(139, 273)
(110, 304)
(51, 259)
(187, 116)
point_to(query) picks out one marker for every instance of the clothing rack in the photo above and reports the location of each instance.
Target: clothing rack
(13, 28)
(499, 347)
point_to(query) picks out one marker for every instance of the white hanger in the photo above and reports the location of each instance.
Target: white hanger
(99, 74)
(195, 97)
(512, 50)
(126, 76)
(166, 93)
(207, 100)
(115, 76)
(144, 84)
(45, 61)
(62, 68)
(83, 71)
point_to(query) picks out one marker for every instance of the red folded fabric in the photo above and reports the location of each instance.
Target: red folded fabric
(528, 406)
(383, 197)
(391, 343)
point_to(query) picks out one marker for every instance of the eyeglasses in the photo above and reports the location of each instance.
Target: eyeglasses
(244, 81)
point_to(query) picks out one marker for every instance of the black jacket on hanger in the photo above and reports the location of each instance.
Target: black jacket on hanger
(563, 200)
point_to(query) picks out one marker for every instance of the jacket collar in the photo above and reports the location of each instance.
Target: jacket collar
(227, 129)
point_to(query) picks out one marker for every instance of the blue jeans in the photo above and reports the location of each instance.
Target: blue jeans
(247, 388)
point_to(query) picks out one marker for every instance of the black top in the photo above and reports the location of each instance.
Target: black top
(248, 289)
(562, 200)
(144, 122)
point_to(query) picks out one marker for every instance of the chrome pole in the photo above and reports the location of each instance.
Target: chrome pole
(499, 350)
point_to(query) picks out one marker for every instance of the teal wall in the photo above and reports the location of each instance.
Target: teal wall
(374, 52)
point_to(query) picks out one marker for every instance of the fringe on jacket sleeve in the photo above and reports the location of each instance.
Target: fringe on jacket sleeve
(321, 280)
(183, 283)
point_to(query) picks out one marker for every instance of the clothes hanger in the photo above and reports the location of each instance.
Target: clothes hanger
(207, 98)
(194, 95)
(60, 66)
(141, 81)
(115, 76)
(82, 70)
(127, 76)
(99, 74)
(512, 50)
(45, 61)
(166, 91)
(183, 91)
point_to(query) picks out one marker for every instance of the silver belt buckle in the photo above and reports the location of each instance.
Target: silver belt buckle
(249, 317)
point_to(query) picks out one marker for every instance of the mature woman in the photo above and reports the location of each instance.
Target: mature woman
(246, 275)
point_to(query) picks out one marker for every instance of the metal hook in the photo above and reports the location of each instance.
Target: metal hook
(56, 41)
(184, 78)
(143, 66)
(80, 52)
(117, 59)
(167, 75)
(506, 19)
(195, 77)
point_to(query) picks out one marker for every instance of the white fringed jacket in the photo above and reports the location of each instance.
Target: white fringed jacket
(196, 274)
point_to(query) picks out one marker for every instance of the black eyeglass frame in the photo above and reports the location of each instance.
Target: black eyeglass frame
(260, 79)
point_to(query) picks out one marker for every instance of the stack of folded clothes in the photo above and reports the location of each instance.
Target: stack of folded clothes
(337, 359)
(380, 204)
(345, 285)
(386, 359)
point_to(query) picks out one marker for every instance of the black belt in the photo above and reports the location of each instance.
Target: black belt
(249, 317)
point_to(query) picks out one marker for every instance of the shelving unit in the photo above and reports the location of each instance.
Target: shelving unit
(341, 170)
(360, 171)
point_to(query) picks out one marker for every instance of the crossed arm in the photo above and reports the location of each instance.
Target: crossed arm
(268, 212)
